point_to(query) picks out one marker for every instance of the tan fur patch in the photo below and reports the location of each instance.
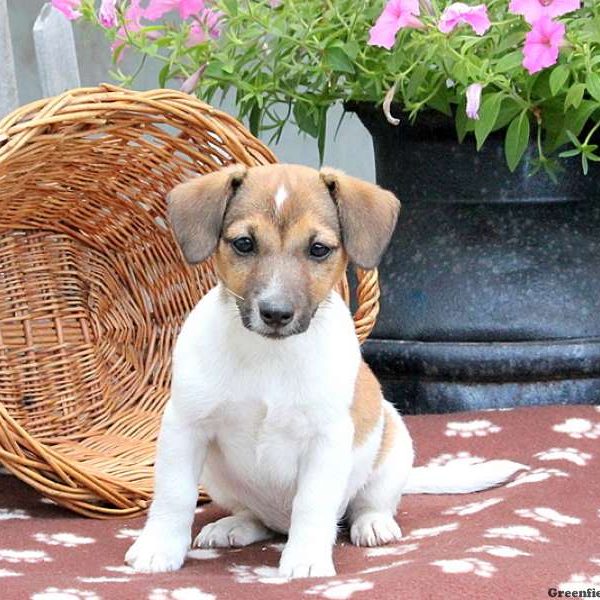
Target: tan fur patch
(388, 436)
(367, 213)
(366, 407)
(196, 209)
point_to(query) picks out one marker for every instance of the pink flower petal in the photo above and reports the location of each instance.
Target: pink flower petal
(189, 85)
(542, 44)
(134, 15)
(460, 13)
(207, 26)
(187, 8)
(383, 33)
(68, 8)
(473, 100)
(397, 14)
(532, 10)
(196, 35)
(108, 14)
(158, 8)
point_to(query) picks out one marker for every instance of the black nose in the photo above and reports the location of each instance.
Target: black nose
(275, 315)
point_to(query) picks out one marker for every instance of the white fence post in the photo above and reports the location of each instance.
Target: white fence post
(9, 99)
(55, 51)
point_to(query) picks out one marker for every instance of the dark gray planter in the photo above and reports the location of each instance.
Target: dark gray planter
(491, 286)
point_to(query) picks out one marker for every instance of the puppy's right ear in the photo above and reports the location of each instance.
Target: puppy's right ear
(196, 210)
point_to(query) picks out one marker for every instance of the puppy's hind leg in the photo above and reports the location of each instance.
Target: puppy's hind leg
(371, 512)
(243, 527)
(240, 529)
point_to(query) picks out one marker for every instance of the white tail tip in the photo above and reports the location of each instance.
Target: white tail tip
(461, 478)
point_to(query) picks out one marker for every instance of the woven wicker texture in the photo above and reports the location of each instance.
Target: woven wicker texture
(93, 288)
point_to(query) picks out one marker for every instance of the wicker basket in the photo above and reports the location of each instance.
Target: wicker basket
(93, 288)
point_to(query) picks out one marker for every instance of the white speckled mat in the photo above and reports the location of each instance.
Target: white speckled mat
(540, 531)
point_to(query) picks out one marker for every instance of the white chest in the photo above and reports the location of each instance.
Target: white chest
(262, 402)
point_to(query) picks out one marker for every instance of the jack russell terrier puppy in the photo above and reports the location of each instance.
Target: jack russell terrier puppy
(272, 408)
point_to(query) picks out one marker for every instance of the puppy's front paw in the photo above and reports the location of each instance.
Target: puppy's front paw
(156, 554)
(296, 563)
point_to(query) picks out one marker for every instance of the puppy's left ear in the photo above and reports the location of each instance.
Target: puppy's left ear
(196, 209)
(368, 216)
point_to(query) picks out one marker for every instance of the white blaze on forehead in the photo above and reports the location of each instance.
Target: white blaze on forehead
(281, 196)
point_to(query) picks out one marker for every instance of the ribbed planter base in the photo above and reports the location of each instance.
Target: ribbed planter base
(425, 377)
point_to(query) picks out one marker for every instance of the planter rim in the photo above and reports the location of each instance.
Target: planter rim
(487, 361)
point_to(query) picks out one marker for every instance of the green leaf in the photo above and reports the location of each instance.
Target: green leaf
(575, 95)
(459, 73)
(488, 114)
(352, 49)
(231, 6)
(463, 123)
(570, 153)
(151, 49)
(573, 138)
(509, 109)
(593, 86)
(306, 118)
(254, 119)
(336, 59)
(558, 78)
(440, 100)
(229, 68)
(163, 75)
(541, 87)
(591, 31)
(416, 79)
(512, 40)
(322, 133)
(214, 70)
(577, 122)
(517, 140)
(509, 61)
(573, 119)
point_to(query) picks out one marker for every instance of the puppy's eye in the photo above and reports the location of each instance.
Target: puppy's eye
(243, 245)
(319, 251)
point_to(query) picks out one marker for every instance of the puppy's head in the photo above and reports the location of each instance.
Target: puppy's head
(282, 236)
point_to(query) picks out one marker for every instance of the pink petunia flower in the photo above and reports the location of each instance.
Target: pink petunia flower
(460, 13)
(207, 26)
(473, 100)
(68, 8)
(108, 13)
(396, 15)
(532, 10)
(158, 8)
(542, 44)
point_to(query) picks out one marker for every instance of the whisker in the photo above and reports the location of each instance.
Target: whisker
(233, 293)
(226, 288)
